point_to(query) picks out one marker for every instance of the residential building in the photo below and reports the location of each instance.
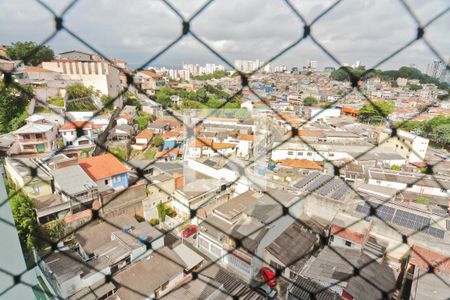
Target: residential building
(423, 184)
(107, 172)
(78, 134)
(30, 176)
(38, 135)
(410, 146)
(100, 75)
(290, 250)
(142, 140)
(158, 274)
(253, 219)
(334, 268)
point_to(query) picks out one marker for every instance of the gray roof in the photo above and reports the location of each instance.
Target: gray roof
(293, 244)
(429, 286)
(33, 128)
(73, 180)
(148, 274)
(420, 179)
(336, 265)
(24, 167)
(7, 140)
(92, 237)
(65, 265)
(306, 289)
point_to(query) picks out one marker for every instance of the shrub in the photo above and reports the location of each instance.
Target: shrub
(154, 222)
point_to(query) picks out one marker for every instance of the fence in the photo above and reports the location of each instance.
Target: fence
(374, 210)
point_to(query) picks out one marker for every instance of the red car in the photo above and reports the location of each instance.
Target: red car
(191, 230)
(269, 276)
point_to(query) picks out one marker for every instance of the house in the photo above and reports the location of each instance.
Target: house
(29, 175)
(76, 275)
(334, 268)
(74, 186)
(107, 172)
(290, 250)
(38, 135)
(8, 144)
(125, 119)
(36, 74)
(146, 80)
(424, 282)
(175, 100)
(410, 146)
(162, 271)
(77, 134)
(142, 140)
(433, 185)
(238, 231)
(121, 133)
(195, 194)
(159, 190)
(199, 147)
(348, 231)
(67, 273)
(158, 128)
(133, 240)
(305, 289)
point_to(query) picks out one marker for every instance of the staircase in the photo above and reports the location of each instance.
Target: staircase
(373, 249)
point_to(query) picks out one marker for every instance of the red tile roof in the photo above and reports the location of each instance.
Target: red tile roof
(301, 163)
(347, 234)
(76, 124)
(423, 258)
(37, 70)
(145, 134)
(102, 166)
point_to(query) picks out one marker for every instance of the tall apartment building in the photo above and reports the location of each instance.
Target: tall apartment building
(247, 66)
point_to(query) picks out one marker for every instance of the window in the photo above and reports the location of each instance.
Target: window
(348, 244)
(28, 147)
(409, 185)
(309, 154)
(331, 238)
(292, 275)
(290, 153)
(36, 189)
(38, 136)
(116, 179)
(106, 181)
(331, 154)
(443, 191)
(299, 153)
(26, 136)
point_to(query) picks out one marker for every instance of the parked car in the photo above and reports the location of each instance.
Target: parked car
(269, 276)
(189, 231)
(266, 291)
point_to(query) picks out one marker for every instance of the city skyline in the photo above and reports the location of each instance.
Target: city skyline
(151, 26)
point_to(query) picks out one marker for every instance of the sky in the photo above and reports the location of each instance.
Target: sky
(135, 31)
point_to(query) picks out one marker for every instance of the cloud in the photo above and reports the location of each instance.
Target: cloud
(136, 30)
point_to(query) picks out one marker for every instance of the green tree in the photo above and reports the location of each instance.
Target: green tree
(22, 208)
(375, 112)
(142, 122)
(13, 107)
(310, 101)
(107, 102)
(78, 90)
(30, 53)
(161, 208)
(441, 134)
(415, 87)
(157, 141)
